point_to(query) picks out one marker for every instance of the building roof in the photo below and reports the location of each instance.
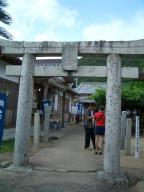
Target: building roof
(89, 87)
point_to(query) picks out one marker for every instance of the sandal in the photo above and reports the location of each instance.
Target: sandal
(100, 152)
(96, 150)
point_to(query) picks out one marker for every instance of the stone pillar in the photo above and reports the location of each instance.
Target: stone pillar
(123, 129)
(137, 138)
(70, 109)
(45, 98)
(56, 102)
(128, 136)
(36, 130)
(46, 123)
(63, 110)
(24, 111)
(113, 117)
(45, 90)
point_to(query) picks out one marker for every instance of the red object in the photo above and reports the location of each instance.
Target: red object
(99, 118)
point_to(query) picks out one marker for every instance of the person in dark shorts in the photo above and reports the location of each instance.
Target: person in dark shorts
(99, 130)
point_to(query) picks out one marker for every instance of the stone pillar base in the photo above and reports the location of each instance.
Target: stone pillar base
(22, 169)
(119, 179)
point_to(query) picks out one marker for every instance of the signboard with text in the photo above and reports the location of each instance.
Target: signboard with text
(77, 109)
(3, 102)
(74, 109)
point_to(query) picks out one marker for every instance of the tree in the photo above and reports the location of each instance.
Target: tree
(4, 18)
(132, 95)
(99, 96)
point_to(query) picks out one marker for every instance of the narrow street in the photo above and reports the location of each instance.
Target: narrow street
(62, 166)
(68, 153)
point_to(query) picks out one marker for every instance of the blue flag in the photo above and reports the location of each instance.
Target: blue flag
(3, 103)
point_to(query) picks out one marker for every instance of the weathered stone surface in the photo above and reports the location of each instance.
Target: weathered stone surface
(130, 72)
(24, 111)
(123, 129)
(36, 130)
(22, 169)
(140, 186)
(3, 75)
(82, 71)
(45, 95)
(50, 48)
(128, 136)
(113, 115)
(118, 179)
(69, 58)
(46, 123)
(5, 164)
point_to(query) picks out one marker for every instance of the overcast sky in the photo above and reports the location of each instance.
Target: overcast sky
(74, 20)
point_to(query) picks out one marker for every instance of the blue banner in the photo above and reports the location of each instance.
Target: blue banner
(3, 103)
(79, 108)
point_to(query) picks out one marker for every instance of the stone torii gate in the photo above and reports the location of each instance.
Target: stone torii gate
(70, 52)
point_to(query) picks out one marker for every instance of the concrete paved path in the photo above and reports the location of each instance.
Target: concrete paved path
(68, 154)
(64, 166)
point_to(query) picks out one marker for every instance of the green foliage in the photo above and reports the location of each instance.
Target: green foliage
(99, 97)
(7, 146)
(132, 94)
(91, 79)
(4, 18)
(132, 91)
(131, 61)
(92, 61)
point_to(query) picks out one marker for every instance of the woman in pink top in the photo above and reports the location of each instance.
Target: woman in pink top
(99, 129)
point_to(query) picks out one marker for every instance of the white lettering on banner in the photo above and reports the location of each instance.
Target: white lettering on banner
(1, 103)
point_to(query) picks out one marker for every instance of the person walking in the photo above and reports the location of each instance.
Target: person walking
(89, 127)
(99, 130)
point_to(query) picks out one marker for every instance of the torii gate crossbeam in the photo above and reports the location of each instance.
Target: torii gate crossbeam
(52, 48)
